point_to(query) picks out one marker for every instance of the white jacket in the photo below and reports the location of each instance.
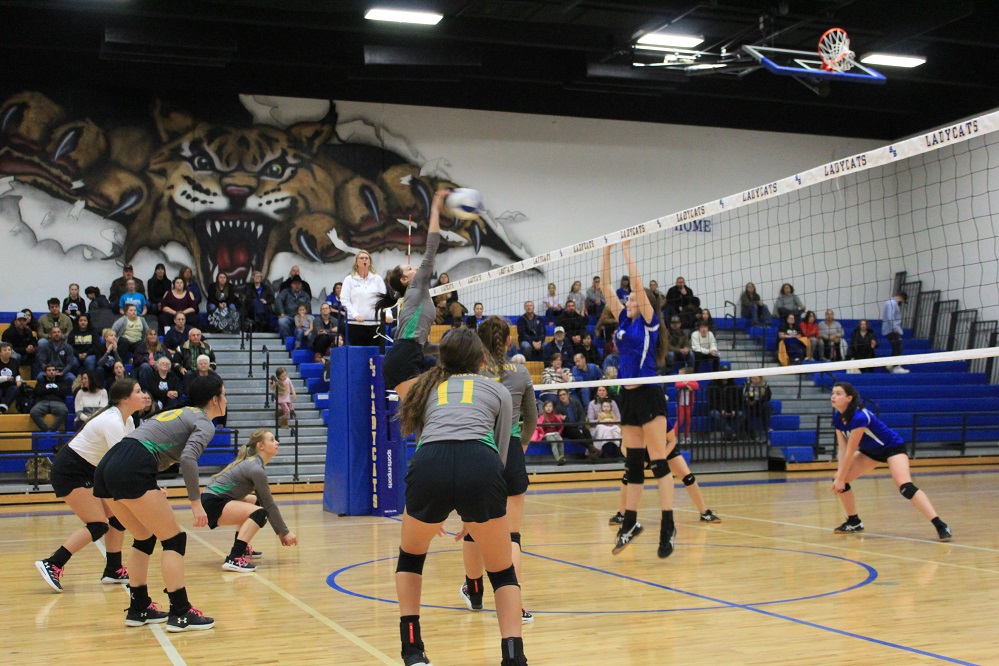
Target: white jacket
(705, 345)
(359, 296)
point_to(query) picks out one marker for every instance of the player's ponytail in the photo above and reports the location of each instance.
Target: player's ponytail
(662, 341)
(494, 331)
(246, 451)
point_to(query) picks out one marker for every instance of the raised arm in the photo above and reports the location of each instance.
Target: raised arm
(610, 297)
(636, 283)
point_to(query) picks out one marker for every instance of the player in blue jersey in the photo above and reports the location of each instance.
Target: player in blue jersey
(641, 348)
(864, 441)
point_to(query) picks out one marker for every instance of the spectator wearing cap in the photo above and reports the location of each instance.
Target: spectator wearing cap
(287, 304)
(574, 324)
(558, 345)
(295, 272)
(74, 305)
(682, 302)
(120, 285)
(22, 340)
(678, 344)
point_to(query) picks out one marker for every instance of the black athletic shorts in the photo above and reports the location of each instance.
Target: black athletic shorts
(882, 455)
(70, 471)
(213, 505)
(515, 472)
(642, 404)
(127, 471)
(466, 477)
(404, 360)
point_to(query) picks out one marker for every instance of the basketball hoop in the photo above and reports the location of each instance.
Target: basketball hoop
(834, 49)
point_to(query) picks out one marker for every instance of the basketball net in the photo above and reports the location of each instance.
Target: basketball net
(834, 49)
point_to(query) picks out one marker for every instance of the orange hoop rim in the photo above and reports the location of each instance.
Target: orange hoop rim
(834, 50)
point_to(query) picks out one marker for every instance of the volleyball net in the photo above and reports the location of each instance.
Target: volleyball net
(918, 215)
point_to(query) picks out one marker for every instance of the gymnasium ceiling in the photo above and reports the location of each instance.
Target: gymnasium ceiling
(562, 57)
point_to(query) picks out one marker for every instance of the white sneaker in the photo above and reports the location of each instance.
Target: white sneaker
(899, 370)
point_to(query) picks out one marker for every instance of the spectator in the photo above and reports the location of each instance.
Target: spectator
(203, 366)
(89, 398)
(156, 288)
(604, 419)
(705, 347)
(303, 327)
(452, 296)
(102, 315)
(558, 345)
(756, 406)
(863, 342)
(704, 316)
(74, 305)
(287, 306)
(787, 303)
(22, 340)
(531, 333)
(575, 296)
(519, 359)
(163, 386)
(32, 322)
(119, 286)
(333, 298)
(50, 398)
(810, 329)
(589, 350)
(177, 335)
(678, 344)
(258, 301)
(187, 363)
(131, 330)
(725, 406)
(192, 285)
(58, 354)
(10, 377)
(325, 332)
(753, 308)
(610, 372)
(595, 299)
(132, 297)
(660, 304)
(686, 396)
(833, 339)
(284, 395)
(891, 327)
(553, 304)
(477, 316)
(54, 317)
(624, 290)
(179, 299)
(549, 429)
(295, 271)
(146, 354)
(109, 357)
(221, 295)
(574, 422)
(361, 290)
(573, 323)
(605, 330)
(148, 410)
(555, 373)
(795, 344)
(84, 340)
(584, 372)
(680, 298)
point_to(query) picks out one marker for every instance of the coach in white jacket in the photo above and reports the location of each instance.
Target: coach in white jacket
(360, 291)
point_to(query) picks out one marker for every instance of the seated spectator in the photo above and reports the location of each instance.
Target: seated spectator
(594, 299)
(146, 354)
(132, 297)
(258, 302)
(584, 372)
(179, 299)
(787, 303)
(59, 354)
(186, 359)
(476, 318)
(531, 333)
(553, 304)
(863, 342)
(624, 290)
(203, 366)
(336, 307)
(89, 398)
(558, 345)
(325, 332)
(292, 274)
(74, 305)
(156, 288)
(809, 328)
(549, 429)
(555, 373)
(455, 324)
(575, 296)
(725, 406)
(452, 296)
(22, 340)
(573, 323)
(610, 372)
(192, 285)
(50, 398)
(303, 327)
(682, 302)
(833, 339)
(455, 314)
(589, 350)
(704, 316)
(574, 422)
(163, 386)
(108, 358)
(120, 284)
(518, 359)
(287, 306)
(221, 295)
(10, 377)
(131, 330)
(102, 315)
(606, 431)
(678, 344)
(753, 308)
(117, 372)
(605, 329)
(148, 411)
(32, 322)
(756, 406)
(705, 347)
(84, 340)
(795, 344)
(177, 335)
(659, 303)
(51, 319)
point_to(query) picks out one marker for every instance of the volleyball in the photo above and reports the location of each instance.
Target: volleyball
(464, 203)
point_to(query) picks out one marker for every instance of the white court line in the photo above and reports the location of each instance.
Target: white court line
(167, 646)
(356, 640)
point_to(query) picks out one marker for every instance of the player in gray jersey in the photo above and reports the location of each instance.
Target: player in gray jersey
(404, 362)
(462, 420)
(495, 335)
(240, 495)
(127, 475)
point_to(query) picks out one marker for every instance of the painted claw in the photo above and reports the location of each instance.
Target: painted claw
(476, 237)
(370, 201)
(307, 244)
(70, 140)
(422, 193)
(129, 199)
(12, 116)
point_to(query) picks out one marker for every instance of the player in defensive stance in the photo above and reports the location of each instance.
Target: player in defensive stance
(73, 482)
(462, 420)
(225, 500)
(864, 441)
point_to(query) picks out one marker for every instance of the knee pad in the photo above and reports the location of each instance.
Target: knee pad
(409, 563)
(674, 453)
(846, 488)
(115, 523)
(468, 538)
(635, 466)
(97, 530)
(146, 545)
(259, 517)
(515, 537)
(503, 578)
(624, 478)
(908, 490)
(689, 480)
(177, 543)
(660, 468)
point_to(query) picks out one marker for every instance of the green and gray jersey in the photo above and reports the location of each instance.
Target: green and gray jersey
(517, 380)
(243, 478)
(178, 436)
(418, 312)
(468, 408)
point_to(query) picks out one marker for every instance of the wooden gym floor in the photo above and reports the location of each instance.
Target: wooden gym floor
(770, 584)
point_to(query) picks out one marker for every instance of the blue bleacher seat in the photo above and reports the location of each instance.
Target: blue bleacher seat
(300, 356)
(308, 370)
(316, 384)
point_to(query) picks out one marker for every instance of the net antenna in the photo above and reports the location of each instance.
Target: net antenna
(834, 49)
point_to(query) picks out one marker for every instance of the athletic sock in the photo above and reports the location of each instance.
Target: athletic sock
(59, 558)
(138, 597)
(474, 586)
(409, 631)
(238, 549)
(113, 562)
(512, 647)
(938, 523)
(667, 524)
(853, 520)
(179, 605)
(630, 518)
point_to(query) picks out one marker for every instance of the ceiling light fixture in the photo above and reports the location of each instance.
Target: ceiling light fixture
(401, 16)
(892, 60)
(670, 39)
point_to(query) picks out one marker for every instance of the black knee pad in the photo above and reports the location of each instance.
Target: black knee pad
(846, 487)
(177, 543)
(674, 453)
(689, 480)
(624, 478)
(146, 545)
(908, 490)
(115, 523)
(468, 538)
(409, 563)
(259, 517)
(503, 578)
(515, 537)
(635, 466)
(97, 530)
(660, 468)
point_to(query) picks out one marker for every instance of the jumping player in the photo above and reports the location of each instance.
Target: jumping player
(73, 481)
(462, 420)
(864, 441)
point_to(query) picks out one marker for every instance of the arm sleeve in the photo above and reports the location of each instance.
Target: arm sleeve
(196, 443)
(266, 500)
(503, 421)
(427, 266)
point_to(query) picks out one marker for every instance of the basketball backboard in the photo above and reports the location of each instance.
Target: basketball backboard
(808, 65)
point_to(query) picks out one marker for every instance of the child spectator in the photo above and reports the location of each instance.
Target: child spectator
(549, 430)
(810, 329)
(303, 327)
(686, 396)
(286, 394)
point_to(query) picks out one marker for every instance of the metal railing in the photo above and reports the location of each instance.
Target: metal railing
(267, 378)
